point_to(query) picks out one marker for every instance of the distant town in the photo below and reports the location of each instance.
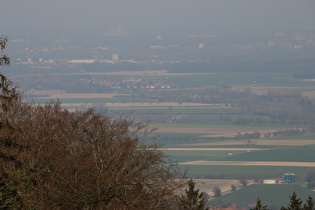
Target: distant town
(54, 52)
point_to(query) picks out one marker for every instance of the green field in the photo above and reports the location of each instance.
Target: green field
(276, 195)
(231, 105)
(182, 156)
(247, 172)
(206, 125)
(290, 154)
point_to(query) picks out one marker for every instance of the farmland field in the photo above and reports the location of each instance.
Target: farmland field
(146, 73)
(246, 160)
(249, 163)
(275, 195)
(202, 154)
(283, 142)
(206, 185)
(245, 171)
(198, 119)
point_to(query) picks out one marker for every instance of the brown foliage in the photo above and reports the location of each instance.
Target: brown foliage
(58, 159)
(82, 159)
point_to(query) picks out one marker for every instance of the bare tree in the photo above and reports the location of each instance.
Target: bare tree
(80, 160)
(83, 159)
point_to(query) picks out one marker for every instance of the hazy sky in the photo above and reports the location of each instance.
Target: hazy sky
(159, 17)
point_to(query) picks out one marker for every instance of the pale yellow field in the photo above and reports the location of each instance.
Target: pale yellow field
(143, 105)
(60, 94)
(54, 94)
(209, 130)
(153, 72)
(212, 132)
(211, 149)
(291, 142)
(249, 163)
(310, 94)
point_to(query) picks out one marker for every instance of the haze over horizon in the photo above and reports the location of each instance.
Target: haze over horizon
(169, 18)
(221, 80)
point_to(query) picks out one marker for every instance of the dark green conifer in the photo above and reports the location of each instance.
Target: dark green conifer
(309, 205)
(259, 206)
(295, 203)
(193, 199)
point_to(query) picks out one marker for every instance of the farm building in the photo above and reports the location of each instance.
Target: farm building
(269, 181)
(289, 178)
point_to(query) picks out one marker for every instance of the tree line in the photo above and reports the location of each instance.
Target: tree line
(278, 133)
(274, 107)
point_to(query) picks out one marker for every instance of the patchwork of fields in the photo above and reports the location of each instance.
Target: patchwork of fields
(181, 151)
(200, 136)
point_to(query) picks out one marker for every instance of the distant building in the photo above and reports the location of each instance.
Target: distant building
(269, 181)
(115, 57)
(81, 61)
(289, 178)
(119, 31)
(201, 45)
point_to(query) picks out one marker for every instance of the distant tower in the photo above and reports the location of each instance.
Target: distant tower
(289, 178)
(201, 45)
(27, 49)
(115, 58)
